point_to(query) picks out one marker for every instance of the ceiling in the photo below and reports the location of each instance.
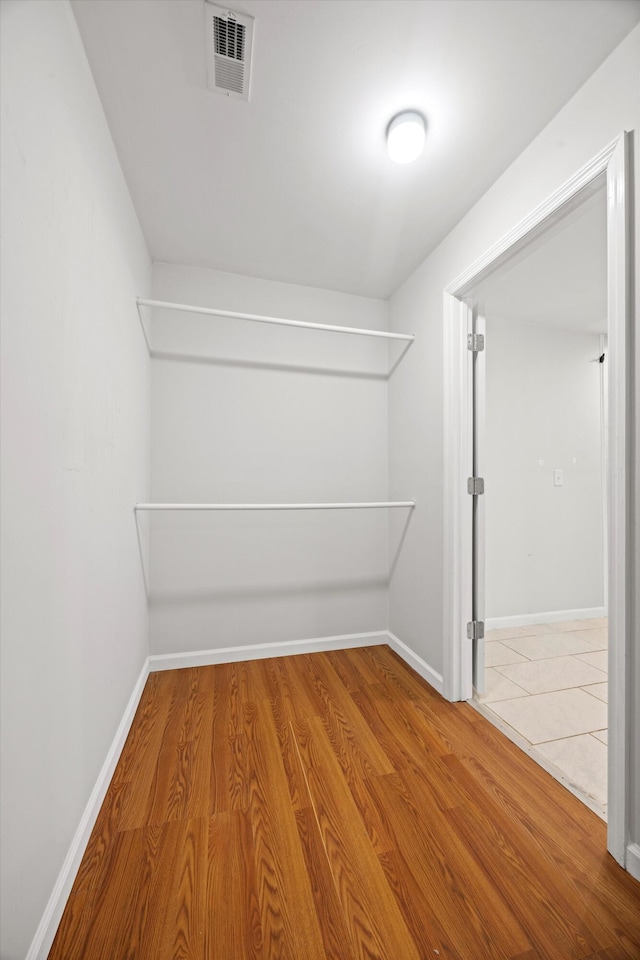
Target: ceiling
(561, 280)
(296, 185)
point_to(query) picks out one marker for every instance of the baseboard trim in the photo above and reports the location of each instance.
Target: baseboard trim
(44, 935)
(633, 860)
(260, 651)
(421, 667)
(553, 616)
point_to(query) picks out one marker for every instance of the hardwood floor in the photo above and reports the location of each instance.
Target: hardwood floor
(334, 806)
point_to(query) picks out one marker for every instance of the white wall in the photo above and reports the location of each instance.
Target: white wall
(245, 412)
(544, 543)
(74, 451)
(607, 104)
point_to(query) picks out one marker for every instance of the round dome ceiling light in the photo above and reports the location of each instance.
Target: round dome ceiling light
(405, 137)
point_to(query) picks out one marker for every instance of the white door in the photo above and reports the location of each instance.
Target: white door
(477, 345)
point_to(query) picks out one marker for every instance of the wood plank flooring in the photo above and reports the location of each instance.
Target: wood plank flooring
(334, 806)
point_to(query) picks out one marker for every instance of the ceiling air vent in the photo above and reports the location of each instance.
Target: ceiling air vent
(229, 47)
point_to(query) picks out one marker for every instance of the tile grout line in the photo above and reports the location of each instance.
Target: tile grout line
(551, 768)
(515, 734)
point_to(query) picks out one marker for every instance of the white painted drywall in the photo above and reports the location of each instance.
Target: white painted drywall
(606, 105)
(544, 543)
(245, 412)
(74, 451)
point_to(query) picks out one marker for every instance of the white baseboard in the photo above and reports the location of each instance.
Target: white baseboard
(260, 651)
(416, 663)
(633, 860)
(44, 935)
(553, 616)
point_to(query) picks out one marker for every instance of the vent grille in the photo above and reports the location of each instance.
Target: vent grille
(229, 38)
(230, 76)
(229, 48)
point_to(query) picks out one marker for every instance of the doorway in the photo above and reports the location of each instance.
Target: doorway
(544, 677)
(463, 599)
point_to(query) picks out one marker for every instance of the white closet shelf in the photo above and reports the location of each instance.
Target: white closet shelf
(276, 506)
(209, 311)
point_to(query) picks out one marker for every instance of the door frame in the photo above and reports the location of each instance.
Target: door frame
(610, 166)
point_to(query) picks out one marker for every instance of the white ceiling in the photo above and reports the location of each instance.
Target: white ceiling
(296, 184)
(561, 280)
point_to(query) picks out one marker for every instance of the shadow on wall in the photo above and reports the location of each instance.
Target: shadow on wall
(238, 363)
(172, 337)
(399, 537)
(176, 598)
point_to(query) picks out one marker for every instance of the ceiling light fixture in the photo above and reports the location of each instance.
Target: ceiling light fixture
(405, 137)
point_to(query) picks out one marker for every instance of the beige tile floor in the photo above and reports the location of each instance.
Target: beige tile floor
(548, 683)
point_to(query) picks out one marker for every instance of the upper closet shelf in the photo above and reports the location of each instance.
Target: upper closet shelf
(208, 311)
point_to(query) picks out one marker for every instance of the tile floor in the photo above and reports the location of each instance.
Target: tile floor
(548, 683)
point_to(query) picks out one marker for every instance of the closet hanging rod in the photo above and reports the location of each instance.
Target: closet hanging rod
(209, 311)
(275, 506)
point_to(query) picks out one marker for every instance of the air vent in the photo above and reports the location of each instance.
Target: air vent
(229, 46)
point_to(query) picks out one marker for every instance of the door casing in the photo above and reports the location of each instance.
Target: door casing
(610, 166)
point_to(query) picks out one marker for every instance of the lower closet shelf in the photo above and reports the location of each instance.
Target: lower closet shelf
(276, 506)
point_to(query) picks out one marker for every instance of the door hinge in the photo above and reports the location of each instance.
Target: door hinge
(475, 342)
(475, 630)
(475, 486)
